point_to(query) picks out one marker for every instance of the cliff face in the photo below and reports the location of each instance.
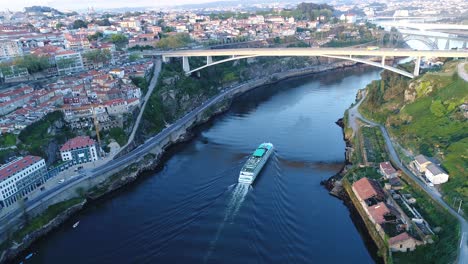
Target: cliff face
(177, 94)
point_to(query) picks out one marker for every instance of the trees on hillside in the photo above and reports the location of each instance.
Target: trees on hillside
(32, 63)
(79, 24)
(119, 40)
(98, 56)
(95, 36)
(174, 41)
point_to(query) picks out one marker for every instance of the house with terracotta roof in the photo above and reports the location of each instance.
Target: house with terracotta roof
(78, 150)
(403, 242)
(387, 170)
(378, 212)
(20, 177)
(366, 189)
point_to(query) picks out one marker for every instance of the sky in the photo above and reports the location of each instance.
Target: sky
(18, 5)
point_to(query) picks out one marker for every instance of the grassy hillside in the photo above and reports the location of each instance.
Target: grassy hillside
(425, 117)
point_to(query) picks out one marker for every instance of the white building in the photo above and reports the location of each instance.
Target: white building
(10, 49)
(81, 149)
(351, 18)
(69, 62)
(20, 177)
(421, 163)
(436, 175)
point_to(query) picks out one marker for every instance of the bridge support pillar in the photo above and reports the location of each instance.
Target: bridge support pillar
(383, 60)
(165, 59)
(447, 44)
(417, 64)
(209, 60)
(185, 64)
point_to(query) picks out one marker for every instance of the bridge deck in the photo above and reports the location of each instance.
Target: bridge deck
(313, 52)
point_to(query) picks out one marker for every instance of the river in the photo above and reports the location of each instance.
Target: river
(192, 211)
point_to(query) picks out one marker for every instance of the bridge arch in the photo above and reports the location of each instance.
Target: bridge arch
(426, 41)
(360, 60)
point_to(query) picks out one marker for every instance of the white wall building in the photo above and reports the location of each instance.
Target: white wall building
(436, 175)
(69, 62)
(421, 163)
(10, 49)
(20, 177)
(79, 150)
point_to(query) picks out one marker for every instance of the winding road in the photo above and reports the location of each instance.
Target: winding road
(120, 162)
(354, 115)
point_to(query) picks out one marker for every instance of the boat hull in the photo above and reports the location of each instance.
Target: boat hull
(249, 177)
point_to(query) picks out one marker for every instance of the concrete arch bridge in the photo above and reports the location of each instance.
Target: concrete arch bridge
(352, 54)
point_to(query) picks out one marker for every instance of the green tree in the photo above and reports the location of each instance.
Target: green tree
(174, 41)
(95, 36)
(438, 109)
(119, 40)
(134, 57)
(98, 55)
(80, 24)
(32, 63)
(59, 25)
(103, 23)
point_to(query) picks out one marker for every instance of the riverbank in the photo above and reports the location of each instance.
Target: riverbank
(150, 161)
(427, 219)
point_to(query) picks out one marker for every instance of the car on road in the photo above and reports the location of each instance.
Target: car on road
(61, 181)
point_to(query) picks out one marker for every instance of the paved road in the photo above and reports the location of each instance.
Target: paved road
(118, 162)
(312, 52)
(463, 246)
(152, 85)
(461, 72)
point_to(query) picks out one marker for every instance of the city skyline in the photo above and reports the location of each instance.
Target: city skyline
(74, 5)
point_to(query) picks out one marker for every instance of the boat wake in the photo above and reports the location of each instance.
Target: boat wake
(236, 199)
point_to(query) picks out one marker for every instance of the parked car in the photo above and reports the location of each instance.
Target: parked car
(61, 181)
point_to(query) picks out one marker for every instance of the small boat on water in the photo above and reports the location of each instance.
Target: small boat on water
(29, 256)
(76, 224)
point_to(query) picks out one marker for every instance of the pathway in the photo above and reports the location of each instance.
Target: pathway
(461, 71)
(152, 85)
(354, 114)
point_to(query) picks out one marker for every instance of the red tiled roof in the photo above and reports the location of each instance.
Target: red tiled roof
(114, 102)
(401, 237)
(387, 168)
(378, 211)
(66, 52)
(77, 143)
(17, 165)
(366, 188)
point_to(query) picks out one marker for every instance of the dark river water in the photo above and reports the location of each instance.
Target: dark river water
(192, 211)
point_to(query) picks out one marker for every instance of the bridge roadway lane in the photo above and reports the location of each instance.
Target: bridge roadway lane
(463, 246)
(118, 162)
(312, 52)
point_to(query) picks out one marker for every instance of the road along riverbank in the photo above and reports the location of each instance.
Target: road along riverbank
(148, 156)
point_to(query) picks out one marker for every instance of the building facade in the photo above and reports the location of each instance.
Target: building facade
(20, 177)
(436, 175)
(387, 170)
(79, 150)
(10, 49)
(68, 62)
(421, 162)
